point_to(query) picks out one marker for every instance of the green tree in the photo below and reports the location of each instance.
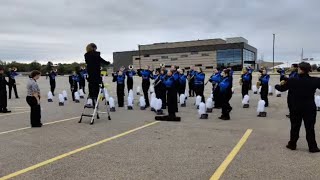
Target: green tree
(35, 66)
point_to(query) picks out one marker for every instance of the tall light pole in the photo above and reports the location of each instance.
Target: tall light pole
(274, 38)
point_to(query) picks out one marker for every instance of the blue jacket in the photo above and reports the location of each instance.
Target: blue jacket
(52, 76)
(225, 85)
(182, 79)
(215, 78)
(293, 74)
(176, 76)
(246, 77)
(169, 82)
(75, 78)
(13, 74)
(146, 75)
(120, 78)
(199, 79)
(130, 74)
(265, 79)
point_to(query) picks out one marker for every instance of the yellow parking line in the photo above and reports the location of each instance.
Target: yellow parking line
(20, 129)
(231, 156)
(72, 152)
(9, 114)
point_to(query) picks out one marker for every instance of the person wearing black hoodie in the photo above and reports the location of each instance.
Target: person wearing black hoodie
(3, 92)
(302, 105)
(94, 61)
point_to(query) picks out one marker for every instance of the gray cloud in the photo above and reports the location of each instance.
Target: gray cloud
(60, 30)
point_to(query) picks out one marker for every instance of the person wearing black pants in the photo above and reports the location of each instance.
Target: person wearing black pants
(130, 73)
(119, 77)
(264, 82)
(33, 99)
(245, 82)
(52, 77)
(171, 90)
(225, 87)
(146, 75)
(159, 87)
(302, 106)
(182, 82)
(94, 61)
(199, 84)
(73, 81)
(215, 79)
(82, 79)
(12, 82)
(190, 75)
(3, 92)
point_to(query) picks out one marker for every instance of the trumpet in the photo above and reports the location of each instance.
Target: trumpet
(130, 67)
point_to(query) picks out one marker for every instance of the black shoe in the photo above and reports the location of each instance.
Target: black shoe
(314, 150)
(17, 98)
(5, 111)
(292, 147)
(37, 125)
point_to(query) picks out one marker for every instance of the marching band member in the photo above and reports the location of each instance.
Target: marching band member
(182, 82)
(82, 79)
(52, 80)
(146, 75)
(282, 73)
(245, 81)
(12, 82)
(190, 75)
(264, 82)
(215, 79)
(225, 87)
(293, 74)
(159, 87)
(120, 77)
(3, 92)
(199, 84)
(130, 73)
(73, 81)
(302, 105)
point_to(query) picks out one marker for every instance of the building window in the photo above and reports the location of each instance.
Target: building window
(186, 68)
(164, 57)
(137, 58)
(174, 59)
(167, 66)
(184, 55)
(155, 59)
(198, 65)
(230, 57)
(147, 55)
(194, 52)
(209, 67)
(205, 54)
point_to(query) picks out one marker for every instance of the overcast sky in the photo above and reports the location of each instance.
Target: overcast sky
(60, 29)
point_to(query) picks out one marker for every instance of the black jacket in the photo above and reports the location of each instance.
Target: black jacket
(302, 90)
(94, 61)
(3, 83)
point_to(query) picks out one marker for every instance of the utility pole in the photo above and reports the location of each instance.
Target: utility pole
(302, 55)
(274, 38)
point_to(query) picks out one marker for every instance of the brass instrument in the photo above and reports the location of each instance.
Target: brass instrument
(162, 65)
(130, 67)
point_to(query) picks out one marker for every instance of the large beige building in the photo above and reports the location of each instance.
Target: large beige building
(235, 52)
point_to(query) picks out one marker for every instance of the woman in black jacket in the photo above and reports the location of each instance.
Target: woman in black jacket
(94, 61)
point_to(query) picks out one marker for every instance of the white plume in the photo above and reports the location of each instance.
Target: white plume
(202, 108)
(158, 104)
(111, 102)
(61, 98)
(209, 103)
(130, 101)
(198, 100)
(50, 96)
(245, 99)
(260, 107)
(142, 101)
(77, 95)
(182, 99)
